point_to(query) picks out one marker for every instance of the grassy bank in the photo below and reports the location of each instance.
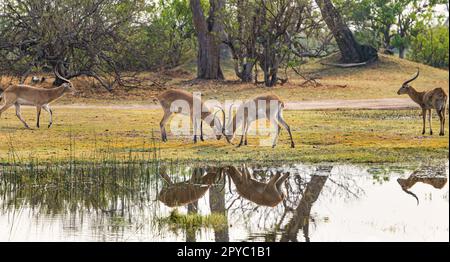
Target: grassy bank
(378, 80)
(356, 136)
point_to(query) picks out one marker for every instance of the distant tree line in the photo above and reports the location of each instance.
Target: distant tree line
(402, 25)
(112, 40)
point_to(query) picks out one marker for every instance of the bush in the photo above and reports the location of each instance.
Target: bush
(431, 47)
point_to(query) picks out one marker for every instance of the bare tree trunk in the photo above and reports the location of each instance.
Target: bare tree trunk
(245, 56)
(217, 205)
(401, 51)
(301, 216)
(387, 37)
(351, 50)
(209, 33)
(190, 232)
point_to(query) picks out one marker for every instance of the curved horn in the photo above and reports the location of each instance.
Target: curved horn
(230, 114)
(230, 119)
(412, 194)
(223, 121)
(58, 75)
(223, 118)
(412, 79)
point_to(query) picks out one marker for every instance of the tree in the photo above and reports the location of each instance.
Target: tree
(351, 50)
(168, 38)
(409, 15)
(431, 47)
(269, 34)
(393, 22)
(81, 36)
(241, 37)
(209, 36)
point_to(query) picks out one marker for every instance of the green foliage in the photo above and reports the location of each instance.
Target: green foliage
(194, 221)
(170, 35)
(390, 23)
(431, 47)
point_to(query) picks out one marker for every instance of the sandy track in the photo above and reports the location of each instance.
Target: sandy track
(384, 103)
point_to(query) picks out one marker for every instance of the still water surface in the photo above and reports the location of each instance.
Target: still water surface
(299, 202)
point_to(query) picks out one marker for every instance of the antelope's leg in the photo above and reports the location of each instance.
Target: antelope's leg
(38, 115)
(442, 121)
(50, 112)
(246, 175)
(162, 125)
(5, 107)
(286, 126)
(273, 180)
(20, 116)
(424, 117)
(429, 121)
(246, 135)
(280, 182)
(275, 123)
(194, 121)
(201, 130)
(244, 132)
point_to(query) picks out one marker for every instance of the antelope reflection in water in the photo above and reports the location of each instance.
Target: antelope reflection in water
(190, 191)
(187, 192)
(435, 177)
(264, 194)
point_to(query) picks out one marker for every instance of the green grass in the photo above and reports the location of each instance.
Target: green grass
(193, 221)
(354, 136)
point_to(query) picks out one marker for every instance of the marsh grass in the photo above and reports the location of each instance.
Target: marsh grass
(193, 221)
(103, 181)
(352, 136)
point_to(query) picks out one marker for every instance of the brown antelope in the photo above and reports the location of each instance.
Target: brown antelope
(184, 193)
(417, 176)
(427, 100)
(18, 95)
(167, 99)
(255, 109)
(266, 194)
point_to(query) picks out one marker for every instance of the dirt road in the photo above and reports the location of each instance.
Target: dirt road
(383, 103)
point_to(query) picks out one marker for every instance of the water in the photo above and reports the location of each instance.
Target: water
(314, 203)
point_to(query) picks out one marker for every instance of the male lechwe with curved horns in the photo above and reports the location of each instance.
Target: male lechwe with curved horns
(427, 100)
(19, 95)
(261, 107)
(169, 99)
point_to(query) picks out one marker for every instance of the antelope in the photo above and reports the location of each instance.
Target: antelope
(18, 95)
(244, 119)
(266, 194)
(437, 180)
(427, 100)
(183, 193)
(167, 98)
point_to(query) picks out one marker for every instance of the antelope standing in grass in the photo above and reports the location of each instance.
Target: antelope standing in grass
(19, 95)
(266, 194)
(167, 98)
(253, 110)
(427, 100)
